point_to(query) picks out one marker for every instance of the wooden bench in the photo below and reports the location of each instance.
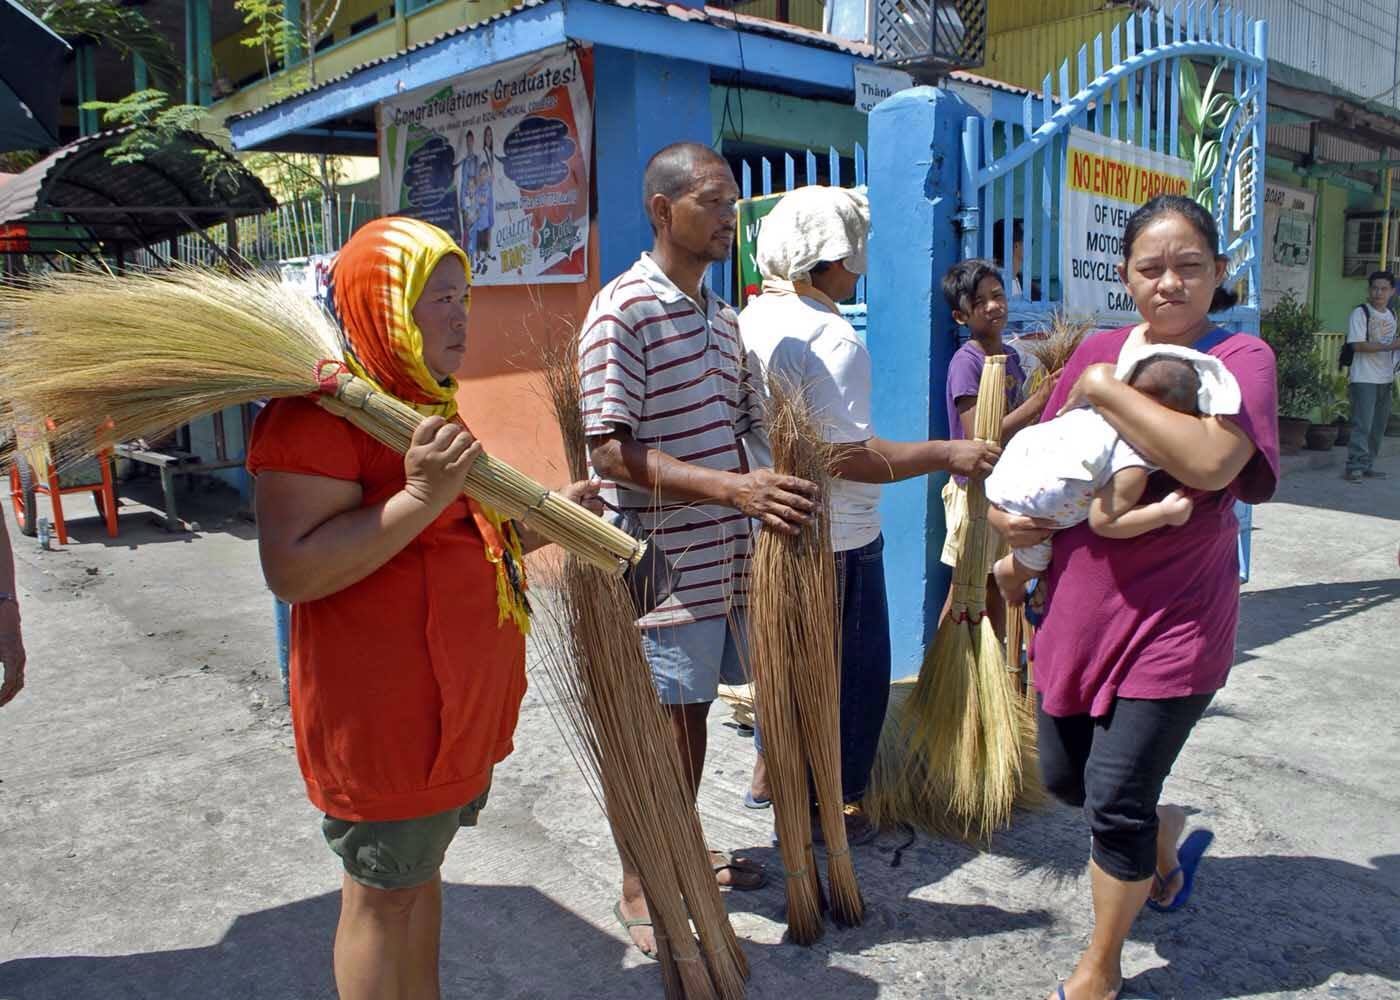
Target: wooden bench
(172, 464)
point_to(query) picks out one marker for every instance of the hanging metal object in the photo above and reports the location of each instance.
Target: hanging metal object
(930, 38)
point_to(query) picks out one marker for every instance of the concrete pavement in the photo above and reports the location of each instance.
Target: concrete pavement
(155, 840)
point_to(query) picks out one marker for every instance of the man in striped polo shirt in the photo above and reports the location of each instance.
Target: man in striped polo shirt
(665, 400)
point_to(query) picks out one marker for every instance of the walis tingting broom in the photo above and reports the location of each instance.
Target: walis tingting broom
(105, 358)
(592, 654)
(794, 645)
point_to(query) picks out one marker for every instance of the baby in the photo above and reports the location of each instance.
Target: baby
(1076, 467)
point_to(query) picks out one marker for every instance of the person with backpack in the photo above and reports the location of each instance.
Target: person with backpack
(1370, 352)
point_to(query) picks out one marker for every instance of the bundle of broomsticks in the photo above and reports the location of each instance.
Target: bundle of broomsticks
(623, 744)
(98, 359)
(957, 744)
(1053, 348)
(794, 644)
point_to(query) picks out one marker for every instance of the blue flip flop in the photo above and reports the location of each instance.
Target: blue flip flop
(1060, 992)
(750, 802)
(1188, 858)
(1032, 615)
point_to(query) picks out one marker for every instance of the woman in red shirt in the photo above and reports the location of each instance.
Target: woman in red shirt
(409, 609)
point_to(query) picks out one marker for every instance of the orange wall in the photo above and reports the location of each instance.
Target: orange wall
(502, 397)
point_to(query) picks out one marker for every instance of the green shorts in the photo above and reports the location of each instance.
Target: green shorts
(401, 853)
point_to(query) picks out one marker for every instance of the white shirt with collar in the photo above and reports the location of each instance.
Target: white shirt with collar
(806, 341)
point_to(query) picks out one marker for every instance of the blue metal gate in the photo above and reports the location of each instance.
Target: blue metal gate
(1136, 98)
(1015, 163)
(949, 164)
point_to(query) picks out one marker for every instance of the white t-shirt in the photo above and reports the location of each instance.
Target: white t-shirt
(1378, 327)
(804, 341)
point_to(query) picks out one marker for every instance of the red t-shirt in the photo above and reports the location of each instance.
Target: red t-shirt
(1154, 616)
(405, 689)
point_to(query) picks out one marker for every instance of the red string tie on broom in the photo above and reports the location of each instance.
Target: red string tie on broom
(328, 372)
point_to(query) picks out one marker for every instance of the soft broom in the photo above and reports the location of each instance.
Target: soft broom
(105, 358)
(954, 753)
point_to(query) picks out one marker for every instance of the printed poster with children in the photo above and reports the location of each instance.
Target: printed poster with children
(1105, 181)
(500, 160)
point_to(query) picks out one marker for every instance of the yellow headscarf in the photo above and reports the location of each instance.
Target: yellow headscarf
(377, 279)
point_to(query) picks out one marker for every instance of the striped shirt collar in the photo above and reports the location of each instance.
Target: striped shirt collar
(669, 292)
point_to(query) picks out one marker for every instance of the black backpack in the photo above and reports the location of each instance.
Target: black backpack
(1349, 350)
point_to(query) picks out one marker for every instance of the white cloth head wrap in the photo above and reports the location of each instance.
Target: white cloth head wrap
(1219, 394)
(810, 225)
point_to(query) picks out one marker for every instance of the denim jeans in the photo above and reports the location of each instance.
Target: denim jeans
(1370, 409)
(865, 663)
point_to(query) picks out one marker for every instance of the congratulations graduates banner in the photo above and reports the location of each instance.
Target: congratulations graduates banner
(499, 159)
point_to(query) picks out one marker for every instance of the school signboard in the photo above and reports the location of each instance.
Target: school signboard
(1105, 181)
(499, 159)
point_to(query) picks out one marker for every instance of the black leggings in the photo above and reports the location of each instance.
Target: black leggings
(1114, 768)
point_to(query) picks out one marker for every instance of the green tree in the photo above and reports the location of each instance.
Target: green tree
(114, 25)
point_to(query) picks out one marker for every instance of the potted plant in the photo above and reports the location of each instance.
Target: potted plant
(1288, 328)
(1322, 436)
(1338, 384)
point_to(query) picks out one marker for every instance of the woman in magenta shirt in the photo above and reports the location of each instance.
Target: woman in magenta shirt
(1140, 633)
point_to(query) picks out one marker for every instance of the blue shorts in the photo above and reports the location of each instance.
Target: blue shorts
(690, 661)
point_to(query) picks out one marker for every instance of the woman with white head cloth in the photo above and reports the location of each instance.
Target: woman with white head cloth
(811, 253)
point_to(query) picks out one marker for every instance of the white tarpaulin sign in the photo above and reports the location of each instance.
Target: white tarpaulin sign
(1105, 181)
(1288, 242)
(499, 159)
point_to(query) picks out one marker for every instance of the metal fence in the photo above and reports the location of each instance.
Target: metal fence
(1122, 86)
(295, 229)
(766, 175)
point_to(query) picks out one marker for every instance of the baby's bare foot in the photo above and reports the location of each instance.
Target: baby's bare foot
(1009, 582)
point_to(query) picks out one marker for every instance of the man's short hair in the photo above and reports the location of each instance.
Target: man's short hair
(961, 281)
(1381, 276)
(673, 170)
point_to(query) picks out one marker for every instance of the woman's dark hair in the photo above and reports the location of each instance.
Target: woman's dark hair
(1196, 216)
(961, 281)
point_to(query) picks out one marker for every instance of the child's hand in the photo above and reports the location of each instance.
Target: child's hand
(437, 462)
(1177, 506)
(1046, 387)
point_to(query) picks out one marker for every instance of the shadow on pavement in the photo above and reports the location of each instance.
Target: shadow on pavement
(497, 941)
(891, 870)
(1325, 489)
(1275, 925)
(1267, 616)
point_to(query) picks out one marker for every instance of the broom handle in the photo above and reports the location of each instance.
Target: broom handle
(508, 491)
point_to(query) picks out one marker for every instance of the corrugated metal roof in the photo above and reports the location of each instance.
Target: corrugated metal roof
(718, 16)
(80, 176)
(1354, 44)
(1330, 148)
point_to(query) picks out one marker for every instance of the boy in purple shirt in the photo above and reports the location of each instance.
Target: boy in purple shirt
(977, 297)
